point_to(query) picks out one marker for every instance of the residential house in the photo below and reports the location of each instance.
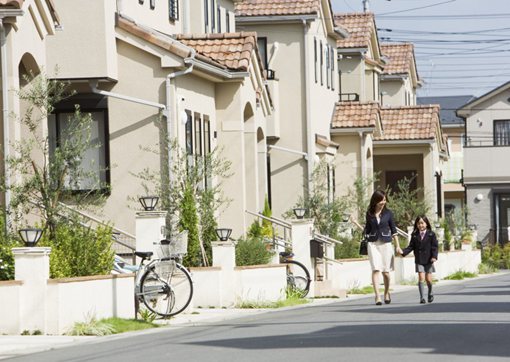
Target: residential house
(25, 27)
(400, 80)
(377, 117)
(297, 41)
(142, 78)
(486, 173)
(453, 128)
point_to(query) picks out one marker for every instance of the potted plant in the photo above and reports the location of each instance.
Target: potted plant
(467, 240)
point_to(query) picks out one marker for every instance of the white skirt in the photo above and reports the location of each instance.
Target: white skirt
(381, 256)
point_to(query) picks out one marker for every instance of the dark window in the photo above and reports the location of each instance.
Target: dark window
(173, 9)
(321, 64)
(333, 61)
(206, 15)
(213, 16)
(207, 150)
(501, 133)
(262, 45)
(227, 21)
(315, 57)
(198, 135)
(140, 2)
(153, 4)
(189, 134)
(94, 162)
(219, 19)
(326, 49)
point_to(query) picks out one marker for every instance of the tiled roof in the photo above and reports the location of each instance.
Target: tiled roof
(355, 115)
(360, 27)
(231, 50)
(276, 7)
(400, 58)
(410, 123)
(16, 4)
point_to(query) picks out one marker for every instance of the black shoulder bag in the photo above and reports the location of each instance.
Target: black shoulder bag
(363, 245)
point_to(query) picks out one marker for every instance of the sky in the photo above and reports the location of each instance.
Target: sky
(462, 47)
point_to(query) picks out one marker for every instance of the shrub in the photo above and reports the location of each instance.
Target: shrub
(7, 242)
(497, 256)
(252, 251)
(79, 251)
(349, 249)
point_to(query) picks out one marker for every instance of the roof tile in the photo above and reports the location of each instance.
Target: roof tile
(410, 123)
(276, 7)
(401, 56)
(16, 4)
(360, 27)
(355, 114)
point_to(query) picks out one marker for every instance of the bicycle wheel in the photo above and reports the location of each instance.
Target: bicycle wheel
(166, 288)
(298, 278)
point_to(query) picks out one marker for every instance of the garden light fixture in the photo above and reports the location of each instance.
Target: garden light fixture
(299, 212)
(30, 236)
(223, 233)
(149, 202)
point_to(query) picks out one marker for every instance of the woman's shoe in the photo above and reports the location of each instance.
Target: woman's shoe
(387, 301)
(422, 301)
(378, 301)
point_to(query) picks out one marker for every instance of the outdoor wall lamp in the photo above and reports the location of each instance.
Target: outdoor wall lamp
(223, 233)
(30, 236)
(299, 212)
(149, 202)
(346, 217)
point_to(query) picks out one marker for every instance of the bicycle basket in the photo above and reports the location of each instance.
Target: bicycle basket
(177, 245)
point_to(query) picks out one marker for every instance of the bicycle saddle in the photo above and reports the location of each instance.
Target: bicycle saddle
(144, 254)
(285, 254)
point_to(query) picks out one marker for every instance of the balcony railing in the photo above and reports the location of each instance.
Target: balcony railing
(349, 97)
(484, 142)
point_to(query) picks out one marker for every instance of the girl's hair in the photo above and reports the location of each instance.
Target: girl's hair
(376, 198)
(424, 218)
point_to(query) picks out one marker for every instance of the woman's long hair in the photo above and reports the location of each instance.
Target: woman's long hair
(424, 218)
(376, 198)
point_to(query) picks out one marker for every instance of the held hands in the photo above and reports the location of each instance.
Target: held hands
(399, 251)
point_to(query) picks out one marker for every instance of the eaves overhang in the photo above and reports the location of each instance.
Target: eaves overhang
(274, 19)
(403, 142)
(356, 130)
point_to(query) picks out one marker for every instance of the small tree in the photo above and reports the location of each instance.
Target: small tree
(41, 179)
(188, 194)
(406, 203)
(325, 209)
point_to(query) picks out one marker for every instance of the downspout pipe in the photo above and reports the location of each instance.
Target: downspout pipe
(169, 112)
(5, 115)
(309, 134)
(363, 161)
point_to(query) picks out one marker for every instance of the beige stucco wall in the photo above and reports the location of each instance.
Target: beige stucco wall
(88, 29)
(157, 18)
(393, 93)
(353, 73)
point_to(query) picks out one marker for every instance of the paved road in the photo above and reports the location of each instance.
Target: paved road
(468, 321)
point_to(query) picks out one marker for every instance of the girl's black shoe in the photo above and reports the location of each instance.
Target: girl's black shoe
(422, 301)
(431, 298)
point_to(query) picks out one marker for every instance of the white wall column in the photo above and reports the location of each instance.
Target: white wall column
(302, 233)
(32, 267)
(224, 256)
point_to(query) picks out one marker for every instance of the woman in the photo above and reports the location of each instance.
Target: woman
(380, 230)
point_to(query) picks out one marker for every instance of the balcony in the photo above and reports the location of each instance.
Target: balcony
(349, 97)
(486, 163)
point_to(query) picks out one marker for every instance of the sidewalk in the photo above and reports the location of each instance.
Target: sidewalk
(12, 346)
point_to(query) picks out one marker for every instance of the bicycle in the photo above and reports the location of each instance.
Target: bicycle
(162, 284)
(298, 276)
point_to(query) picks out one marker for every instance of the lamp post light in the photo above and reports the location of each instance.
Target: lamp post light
(299, 212)
(149, 202)
(30, 236)
(223, 233)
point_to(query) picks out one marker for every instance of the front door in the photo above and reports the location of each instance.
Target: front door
(503, 217)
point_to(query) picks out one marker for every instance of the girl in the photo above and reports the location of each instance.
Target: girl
(425, 247)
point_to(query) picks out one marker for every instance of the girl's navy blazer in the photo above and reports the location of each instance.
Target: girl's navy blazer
(424, 249)
(384, 230)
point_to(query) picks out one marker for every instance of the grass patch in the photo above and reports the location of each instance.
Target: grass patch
(460, 275)
(103, 327)
(292, 298)
(485, 268)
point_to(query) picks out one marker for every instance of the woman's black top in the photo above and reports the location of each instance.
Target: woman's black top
(382, 230)
(423, 249)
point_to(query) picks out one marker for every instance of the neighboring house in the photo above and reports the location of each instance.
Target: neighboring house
(26, 26)
(453, 128)
(400, 79)
(207, 88)
(486, 155)
(392, 142)
(298, 45)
